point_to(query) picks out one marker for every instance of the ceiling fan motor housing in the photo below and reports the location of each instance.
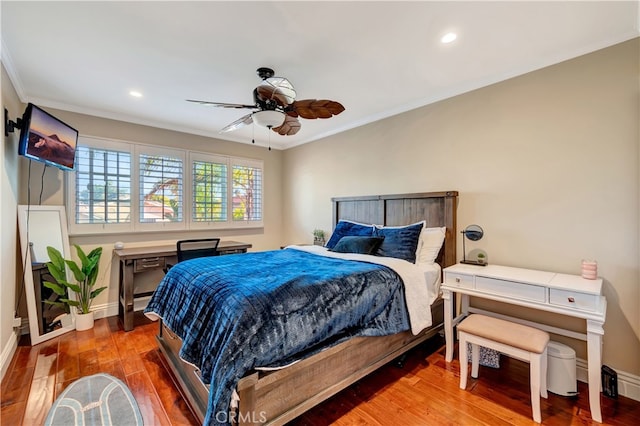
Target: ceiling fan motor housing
(264, 104)
(264, 73)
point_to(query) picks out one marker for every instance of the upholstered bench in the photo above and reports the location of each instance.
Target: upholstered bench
(518, 341)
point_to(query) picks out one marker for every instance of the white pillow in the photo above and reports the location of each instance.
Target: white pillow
(429, 245)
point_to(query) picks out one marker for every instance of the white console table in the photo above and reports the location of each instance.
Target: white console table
(563, 294)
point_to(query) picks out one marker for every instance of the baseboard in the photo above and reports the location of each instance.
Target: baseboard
(8, 351)
(100, 311)
(628, 384)
(111, 309)
(105, 310)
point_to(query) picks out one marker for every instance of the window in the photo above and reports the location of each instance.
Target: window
(100, 191)
(247, 193)
(174, 189)
(209, 181)
(103, 186)
(160, 188)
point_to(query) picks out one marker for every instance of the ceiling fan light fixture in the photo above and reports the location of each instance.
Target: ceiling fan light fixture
(268, 118)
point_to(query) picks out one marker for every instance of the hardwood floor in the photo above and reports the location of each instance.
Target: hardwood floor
(424, 392)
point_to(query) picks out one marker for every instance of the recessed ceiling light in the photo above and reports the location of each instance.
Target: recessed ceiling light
(449, 37)
(135, 94)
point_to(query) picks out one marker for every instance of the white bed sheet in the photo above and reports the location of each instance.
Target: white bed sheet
(433, 279)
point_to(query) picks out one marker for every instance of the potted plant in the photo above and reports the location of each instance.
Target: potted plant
(85, 275)
(482, 258)
(318, 237)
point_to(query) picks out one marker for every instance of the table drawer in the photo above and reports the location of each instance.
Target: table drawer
(148, 263)
(232, 251)
(573, 299)
(511, 289)
(458, 280)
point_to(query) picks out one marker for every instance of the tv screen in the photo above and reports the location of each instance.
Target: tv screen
(47, 139)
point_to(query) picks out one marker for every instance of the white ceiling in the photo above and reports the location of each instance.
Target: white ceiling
(376, 58)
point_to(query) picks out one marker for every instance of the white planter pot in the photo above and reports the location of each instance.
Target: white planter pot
(84, 321)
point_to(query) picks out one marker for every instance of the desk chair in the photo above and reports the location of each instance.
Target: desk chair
(191, 249)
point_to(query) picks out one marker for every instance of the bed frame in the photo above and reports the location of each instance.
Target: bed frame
(276, 397)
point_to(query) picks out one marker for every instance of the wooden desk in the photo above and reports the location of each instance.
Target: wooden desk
(562, 294)
(140, 259)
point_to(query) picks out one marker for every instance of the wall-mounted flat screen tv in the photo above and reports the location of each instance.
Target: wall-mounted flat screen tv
(47, 139)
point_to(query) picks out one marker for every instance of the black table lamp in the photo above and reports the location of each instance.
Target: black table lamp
(474, 233)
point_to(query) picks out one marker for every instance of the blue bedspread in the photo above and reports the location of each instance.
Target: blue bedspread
(238, 312)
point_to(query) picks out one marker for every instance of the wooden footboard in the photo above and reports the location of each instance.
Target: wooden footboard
(277, 397)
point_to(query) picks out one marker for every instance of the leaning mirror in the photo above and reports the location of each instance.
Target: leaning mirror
(42, 226)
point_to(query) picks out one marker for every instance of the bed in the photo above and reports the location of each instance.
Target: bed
(278, 395)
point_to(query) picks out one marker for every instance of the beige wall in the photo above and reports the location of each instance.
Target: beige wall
(546, 163)
(8, 221)
(265, 238)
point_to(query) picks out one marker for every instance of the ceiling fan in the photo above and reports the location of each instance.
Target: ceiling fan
(276, 106)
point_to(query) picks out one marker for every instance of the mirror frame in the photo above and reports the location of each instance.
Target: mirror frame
(473, 232)
(25, 222)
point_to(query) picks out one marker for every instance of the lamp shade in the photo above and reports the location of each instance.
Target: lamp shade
(268, 118)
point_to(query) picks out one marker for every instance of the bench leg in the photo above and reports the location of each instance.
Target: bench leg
(475, 360)
(535, 376)
(543, 374)
(464, 364)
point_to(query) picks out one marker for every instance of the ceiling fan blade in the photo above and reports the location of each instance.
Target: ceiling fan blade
(290, 127)
(314, 108)
(240, 122)
(222, 104)
(278, 89)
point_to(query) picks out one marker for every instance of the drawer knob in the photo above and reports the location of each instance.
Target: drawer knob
(571, 299)
(457, 279)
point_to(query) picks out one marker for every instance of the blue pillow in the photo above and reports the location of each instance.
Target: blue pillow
(360, 245)
(399, 241)
(345, 228)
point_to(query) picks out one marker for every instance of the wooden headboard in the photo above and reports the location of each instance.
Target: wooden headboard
(436, 208)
